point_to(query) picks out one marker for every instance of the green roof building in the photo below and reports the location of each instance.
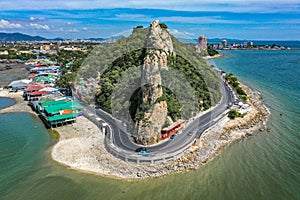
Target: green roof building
(59, 112)
(62, 119)
(56, 108)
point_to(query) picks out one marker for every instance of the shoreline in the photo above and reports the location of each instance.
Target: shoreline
(81, 144)
(213, 57)
(19, 105)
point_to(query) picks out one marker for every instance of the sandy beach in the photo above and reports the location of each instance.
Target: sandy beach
(81, 144)
(213, 57)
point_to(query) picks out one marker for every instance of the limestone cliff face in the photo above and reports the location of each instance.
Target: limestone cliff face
(159, 38)
(160, 46)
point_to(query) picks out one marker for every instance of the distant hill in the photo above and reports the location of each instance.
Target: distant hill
(57, 38)
(19, 37)
(24, 37)
(97, 39)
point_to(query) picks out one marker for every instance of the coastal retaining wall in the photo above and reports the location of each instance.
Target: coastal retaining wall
(130, 156)
(133, 156)
(144, 159)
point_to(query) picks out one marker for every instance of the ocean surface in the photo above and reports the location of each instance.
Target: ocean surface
(265, 166)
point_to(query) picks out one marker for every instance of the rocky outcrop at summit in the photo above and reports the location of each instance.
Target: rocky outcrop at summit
(172, 76)
(159, 44)
(159, 38)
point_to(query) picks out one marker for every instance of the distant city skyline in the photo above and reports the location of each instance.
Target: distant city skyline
(251, 20)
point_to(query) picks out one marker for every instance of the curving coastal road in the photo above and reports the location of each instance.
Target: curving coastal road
(194, 128)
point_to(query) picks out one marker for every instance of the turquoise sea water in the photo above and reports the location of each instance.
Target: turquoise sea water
(5, 102)
(266, 166)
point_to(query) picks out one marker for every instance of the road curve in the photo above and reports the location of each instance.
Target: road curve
(196, 126)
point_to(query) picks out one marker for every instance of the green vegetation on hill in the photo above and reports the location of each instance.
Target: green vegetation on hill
(112, 74)
(232, 80)
(125, 57)
(103, 55)
(172, 103)
(137, 111)
(188, 53)
(163, 25)
(195, 79)
(134, 59)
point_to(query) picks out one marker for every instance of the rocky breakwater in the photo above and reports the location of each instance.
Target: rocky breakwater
(152, 113)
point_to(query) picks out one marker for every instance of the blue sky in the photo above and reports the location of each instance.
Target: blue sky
(254, 19)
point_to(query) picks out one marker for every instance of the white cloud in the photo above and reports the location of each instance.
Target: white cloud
(57, 30)
(182, 34)
(36, 18)
(133, 17)
(6, 24)
(39, 26)
(128, 17)
(85, 28)
(195, 5)
(73, 30)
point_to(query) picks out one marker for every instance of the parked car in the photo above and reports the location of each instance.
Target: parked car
(141, 149)
(144, 153)
(172, 136)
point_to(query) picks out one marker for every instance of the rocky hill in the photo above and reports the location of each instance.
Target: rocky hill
(149, 80)
(160, 46)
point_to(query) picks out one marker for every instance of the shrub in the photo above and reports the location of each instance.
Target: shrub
(233, 114)
(163, 25)
(243, 97)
